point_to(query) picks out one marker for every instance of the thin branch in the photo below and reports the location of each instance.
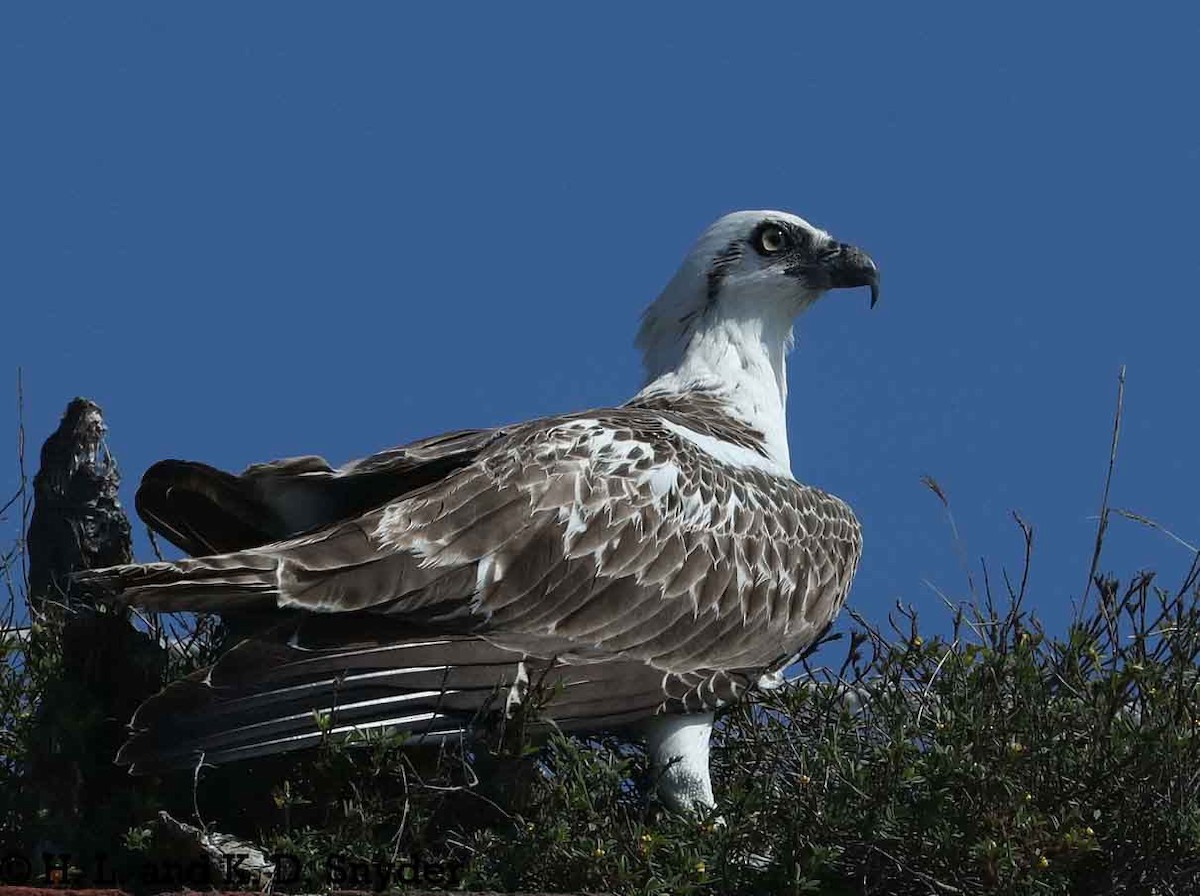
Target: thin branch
(1146, 521)
(1102, 526)
(26, 508)
(932, 484)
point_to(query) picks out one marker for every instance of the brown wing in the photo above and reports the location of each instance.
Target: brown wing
(203, 510)
(580, 538)
(611, 536)
(605, 546)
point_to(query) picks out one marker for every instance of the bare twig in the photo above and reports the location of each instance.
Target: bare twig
(933, 678)
(919, 875)
(932, 484)
(154, 544)
(26, 507)
(1102, 526)
(1149, 523)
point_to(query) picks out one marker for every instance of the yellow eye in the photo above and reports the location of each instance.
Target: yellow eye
(771, 239)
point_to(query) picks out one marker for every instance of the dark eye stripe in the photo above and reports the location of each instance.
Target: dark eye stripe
(726, 259)
(770, 238)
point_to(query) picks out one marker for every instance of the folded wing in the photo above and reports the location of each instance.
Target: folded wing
(618, 560)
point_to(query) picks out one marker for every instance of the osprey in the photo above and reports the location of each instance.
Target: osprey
(649, 562)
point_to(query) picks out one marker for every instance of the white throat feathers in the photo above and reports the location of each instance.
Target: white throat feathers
(724, 323)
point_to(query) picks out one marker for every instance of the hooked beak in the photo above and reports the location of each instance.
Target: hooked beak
(848, 266)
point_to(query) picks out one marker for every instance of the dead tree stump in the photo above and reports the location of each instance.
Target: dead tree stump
(93, 666)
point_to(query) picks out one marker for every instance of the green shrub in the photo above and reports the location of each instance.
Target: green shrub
(994, 758)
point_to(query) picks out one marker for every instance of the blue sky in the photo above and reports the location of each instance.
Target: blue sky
(261, 230)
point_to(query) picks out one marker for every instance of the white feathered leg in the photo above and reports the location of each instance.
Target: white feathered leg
(678, 748)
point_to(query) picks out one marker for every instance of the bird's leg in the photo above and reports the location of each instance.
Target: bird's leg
(678, 748)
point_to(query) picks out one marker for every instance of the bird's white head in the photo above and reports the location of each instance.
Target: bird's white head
(725, 319)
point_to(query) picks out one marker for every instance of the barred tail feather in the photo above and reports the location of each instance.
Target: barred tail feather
(265, 698)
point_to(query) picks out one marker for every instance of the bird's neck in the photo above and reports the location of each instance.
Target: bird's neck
(742, 360)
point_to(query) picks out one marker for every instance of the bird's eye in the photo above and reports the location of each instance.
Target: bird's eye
(771, 240)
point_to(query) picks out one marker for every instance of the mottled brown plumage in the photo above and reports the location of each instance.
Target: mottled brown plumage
(601, 541)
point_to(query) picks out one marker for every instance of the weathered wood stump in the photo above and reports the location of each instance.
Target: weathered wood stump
(93, 666)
